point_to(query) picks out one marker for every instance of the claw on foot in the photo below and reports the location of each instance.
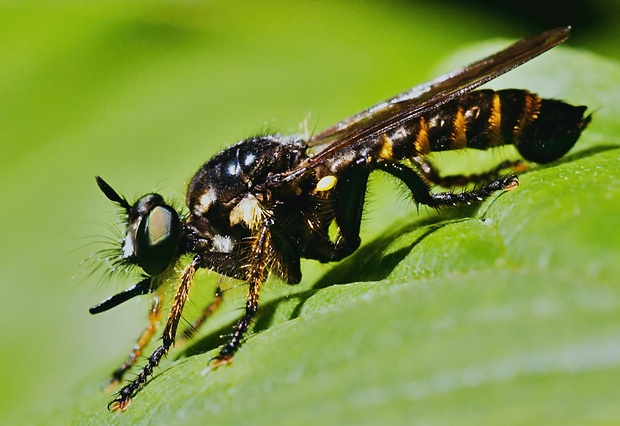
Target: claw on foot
(219, 361)
(511, 183)
(119, 404)
(216, 362)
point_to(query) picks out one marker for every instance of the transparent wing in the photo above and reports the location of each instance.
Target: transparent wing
(431, 95)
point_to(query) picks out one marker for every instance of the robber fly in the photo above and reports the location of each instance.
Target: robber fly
(262, 204)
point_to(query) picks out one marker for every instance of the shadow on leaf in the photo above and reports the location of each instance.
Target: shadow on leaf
(379, 260)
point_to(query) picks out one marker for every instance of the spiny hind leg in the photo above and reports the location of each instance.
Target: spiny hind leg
(431, 173)
(145, 338)
(421, 191)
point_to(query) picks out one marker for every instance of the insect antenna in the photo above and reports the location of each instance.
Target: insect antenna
(112, 194)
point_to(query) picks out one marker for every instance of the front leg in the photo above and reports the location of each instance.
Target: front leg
(124, 396)
(144, 339)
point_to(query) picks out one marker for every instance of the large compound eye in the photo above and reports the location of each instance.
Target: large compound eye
(157, 239)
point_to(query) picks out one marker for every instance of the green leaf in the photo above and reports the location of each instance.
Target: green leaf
(507, 313)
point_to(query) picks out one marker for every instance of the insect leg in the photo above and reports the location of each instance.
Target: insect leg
(348, 206)
(256, 275)
(189, 332)
(421, 192)
(431, 174)
(143, 340)
(123, 399)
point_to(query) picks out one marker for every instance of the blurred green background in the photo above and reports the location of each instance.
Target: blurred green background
(142, 93)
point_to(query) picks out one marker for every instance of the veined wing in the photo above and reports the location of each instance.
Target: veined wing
(426, 97)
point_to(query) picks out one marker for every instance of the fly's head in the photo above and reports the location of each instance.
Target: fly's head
(151, 241)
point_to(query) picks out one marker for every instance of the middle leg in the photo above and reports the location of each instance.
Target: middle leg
(256, 276)
(191, 330)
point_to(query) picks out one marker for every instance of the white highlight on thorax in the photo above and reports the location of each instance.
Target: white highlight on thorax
(205, 201)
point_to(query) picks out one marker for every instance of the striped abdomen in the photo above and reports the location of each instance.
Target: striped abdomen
(542, 129)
